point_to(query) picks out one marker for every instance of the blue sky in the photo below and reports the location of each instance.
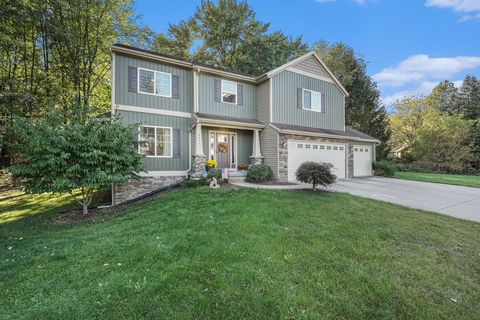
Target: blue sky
(410, 45)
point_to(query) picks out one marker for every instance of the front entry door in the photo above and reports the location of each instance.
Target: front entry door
(222, 150)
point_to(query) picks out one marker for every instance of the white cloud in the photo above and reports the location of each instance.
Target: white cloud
(469, 8)
(463, 6)
(420, 68)
(423, 88)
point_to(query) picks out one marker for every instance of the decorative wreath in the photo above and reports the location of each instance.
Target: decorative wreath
(222, 147)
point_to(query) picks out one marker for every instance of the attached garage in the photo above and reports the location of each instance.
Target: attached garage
(302, 151)
(362, 161)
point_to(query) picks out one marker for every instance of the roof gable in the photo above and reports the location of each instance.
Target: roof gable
(310, 65)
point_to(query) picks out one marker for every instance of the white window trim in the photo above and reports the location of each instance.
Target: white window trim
(154, 83)
(155, 141)
(303, 101)
(236, 91)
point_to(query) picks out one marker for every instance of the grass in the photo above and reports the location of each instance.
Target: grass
(456, 179)
(238, 253)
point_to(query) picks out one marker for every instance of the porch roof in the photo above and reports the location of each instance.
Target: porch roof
(225, 121)
(349, 133)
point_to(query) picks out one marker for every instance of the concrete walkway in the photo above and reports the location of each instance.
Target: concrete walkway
(456, 201)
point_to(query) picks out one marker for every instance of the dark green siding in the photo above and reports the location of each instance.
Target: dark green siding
(124, 97)
(184, 124)
(284, 98)
(207, 104)
(244, 142)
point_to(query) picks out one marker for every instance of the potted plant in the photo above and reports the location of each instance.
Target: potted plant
(211, 164)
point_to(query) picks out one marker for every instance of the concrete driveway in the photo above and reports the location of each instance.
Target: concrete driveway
(455, 201)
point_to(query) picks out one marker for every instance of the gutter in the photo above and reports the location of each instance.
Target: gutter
(322, 135)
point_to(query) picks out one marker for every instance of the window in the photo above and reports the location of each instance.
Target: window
(312, 100)
(157, 141)
(315, 146)
(322, 147)
(329, 147)
(154, 82)
(335, 148)
(300, 146)
(229, 92)
(307, 146)
(341, 148)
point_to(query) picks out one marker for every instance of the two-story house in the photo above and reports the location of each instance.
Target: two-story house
(190, 112)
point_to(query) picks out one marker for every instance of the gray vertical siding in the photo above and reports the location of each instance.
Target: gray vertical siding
(263, 102)
(163, 164)
(244, 142)
(207, 104)
(285, 109)
(311, 65)
(269, 148)
(123, 96)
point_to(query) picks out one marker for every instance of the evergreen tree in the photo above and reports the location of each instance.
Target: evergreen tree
(364, 110)
(470, 98)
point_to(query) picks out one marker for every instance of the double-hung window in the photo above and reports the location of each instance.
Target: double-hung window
(229, 92)
(156, 141)
(155, 82)
(312, 100)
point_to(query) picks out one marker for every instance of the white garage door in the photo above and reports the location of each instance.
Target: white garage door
(362, 161)
(300, 152)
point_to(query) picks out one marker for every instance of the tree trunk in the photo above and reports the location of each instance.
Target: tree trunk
(85, 208)
(314, 186)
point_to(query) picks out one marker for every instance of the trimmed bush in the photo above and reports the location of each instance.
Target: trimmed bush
(384, 168)
(316, 173)
(195, 183)
(259, 173)
(214, 173)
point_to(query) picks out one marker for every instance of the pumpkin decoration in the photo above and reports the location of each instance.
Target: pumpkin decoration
(222, 147)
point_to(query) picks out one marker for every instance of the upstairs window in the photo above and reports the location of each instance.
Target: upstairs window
(157, 141)
(155, 82)
(312, 100)
(229, 92)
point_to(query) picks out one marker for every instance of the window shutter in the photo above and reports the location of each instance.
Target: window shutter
(176, 143)
(218, 90)
(323, 103)
(175, 86)
(132, 79)
(299, 98)
(240, 95)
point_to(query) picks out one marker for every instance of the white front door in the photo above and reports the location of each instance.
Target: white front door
(301, 151)
(362, 161)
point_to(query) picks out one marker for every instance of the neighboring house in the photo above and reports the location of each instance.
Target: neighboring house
(192, 112)
(397, 152)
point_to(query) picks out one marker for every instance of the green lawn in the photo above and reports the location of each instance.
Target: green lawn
(457, 179)
(235, 254)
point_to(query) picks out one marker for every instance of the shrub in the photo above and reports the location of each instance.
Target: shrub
(214, 173)
(195, 183)
(384, 168)
(242, 166)
(259, 173)
(316, 173)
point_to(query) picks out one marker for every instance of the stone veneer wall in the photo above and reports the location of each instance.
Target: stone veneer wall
(137, 188)
(283, 152)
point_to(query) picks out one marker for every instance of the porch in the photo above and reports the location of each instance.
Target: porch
(231, 142)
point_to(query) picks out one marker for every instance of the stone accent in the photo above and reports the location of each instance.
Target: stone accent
(136, 188)
(283, 152)
(256, 160)
(198, 165)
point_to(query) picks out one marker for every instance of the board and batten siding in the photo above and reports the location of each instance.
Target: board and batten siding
(311, 65)
(285, 110)
(263, 102)
(244, 142)
(123, 97)
(269, 148)
(163, 164)
(208, 105)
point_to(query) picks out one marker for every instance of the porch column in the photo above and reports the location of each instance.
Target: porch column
(256, 157)
(199, 157)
